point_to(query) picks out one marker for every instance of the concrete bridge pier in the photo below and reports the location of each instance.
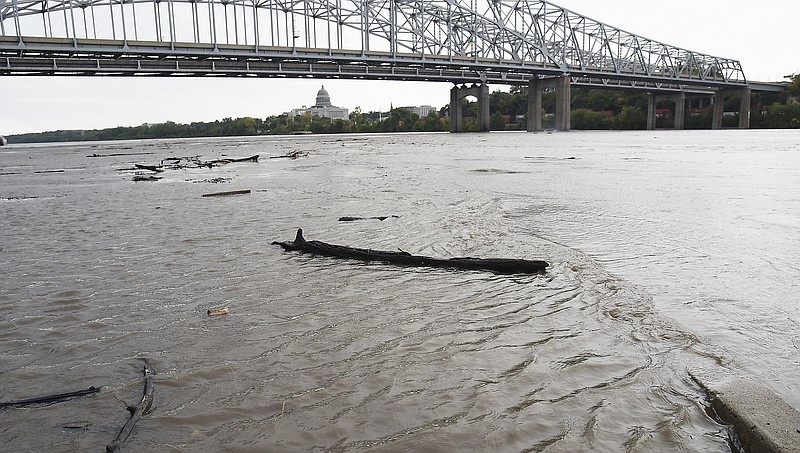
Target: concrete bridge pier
(679, 99)
(457, 94)
(563, 102)
(719, 107)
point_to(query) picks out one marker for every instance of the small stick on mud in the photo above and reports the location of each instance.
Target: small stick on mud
(136, 411)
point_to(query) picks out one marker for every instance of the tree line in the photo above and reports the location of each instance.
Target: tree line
(592, 109)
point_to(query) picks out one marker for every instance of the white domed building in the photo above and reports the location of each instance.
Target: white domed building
(323, 107)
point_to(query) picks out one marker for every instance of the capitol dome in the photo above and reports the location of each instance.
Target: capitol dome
(323, 98)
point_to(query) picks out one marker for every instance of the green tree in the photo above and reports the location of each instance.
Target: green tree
(793, 89)
(497, 122)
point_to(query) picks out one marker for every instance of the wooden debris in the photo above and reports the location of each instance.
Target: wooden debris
(291, 155)
(136, 411)
(56, 398)
(352, 219)
(214, 180)
(117, 154)
(226, 194)
(153, 168)
(232, 160)
(498, 265)
(146, 178)
(218, 311)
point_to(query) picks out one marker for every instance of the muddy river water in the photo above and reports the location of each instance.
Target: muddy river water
(669, 251)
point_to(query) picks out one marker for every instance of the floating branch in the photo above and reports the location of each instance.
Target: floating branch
(223, 161)
(226, 194)
(352, 219)
(117, 154)
(153, 168)
(291, 155)
(136, 411)
(499, 265)
(146, 178)
(58, 397)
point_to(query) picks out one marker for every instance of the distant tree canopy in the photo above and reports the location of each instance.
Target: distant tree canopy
(591, 109)
(793, 89)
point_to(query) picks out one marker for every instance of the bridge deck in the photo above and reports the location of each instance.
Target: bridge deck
(96, 57)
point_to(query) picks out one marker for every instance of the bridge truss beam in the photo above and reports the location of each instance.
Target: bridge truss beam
(502, 41)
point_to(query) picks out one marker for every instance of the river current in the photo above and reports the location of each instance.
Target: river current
(669, 251)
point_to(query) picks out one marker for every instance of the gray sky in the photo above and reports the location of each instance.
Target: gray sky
(762, 35)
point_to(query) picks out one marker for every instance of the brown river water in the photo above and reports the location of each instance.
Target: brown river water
(669, 251)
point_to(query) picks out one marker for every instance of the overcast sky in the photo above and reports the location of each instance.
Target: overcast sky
(762, 35)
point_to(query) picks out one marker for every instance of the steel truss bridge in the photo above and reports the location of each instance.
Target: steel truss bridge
(510, 42)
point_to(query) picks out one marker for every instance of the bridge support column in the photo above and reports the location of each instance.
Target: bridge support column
(716, 112)
(534, 116)
(481, 92)
(744, 108)
(719, 107)
(483, 108)
(680, 108)
(456, 123)
(563, 102)
(651, 111)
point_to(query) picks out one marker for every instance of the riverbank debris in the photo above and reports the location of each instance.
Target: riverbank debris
(226, 194)
(143, 408)
(55, 398)
(497, 265)
(353, 219)
(218, 311)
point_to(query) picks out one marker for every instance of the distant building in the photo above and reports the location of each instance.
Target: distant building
(422, 110)
(323, 108)
(3, 141)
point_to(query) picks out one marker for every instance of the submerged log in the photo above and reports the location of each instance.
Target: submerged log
(498, 265)
(56, 398)
(136, 411)
(226, 194)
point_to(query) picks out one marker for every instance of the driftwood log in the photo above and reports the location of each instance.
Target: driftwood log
(135, 411)
(153, 168)
(58, 397)
(146, 178)
(230, 160)
(498, 265)
(226, 194)
(348, 218)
